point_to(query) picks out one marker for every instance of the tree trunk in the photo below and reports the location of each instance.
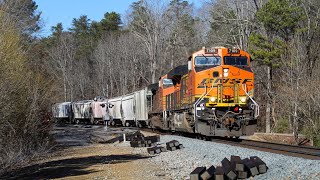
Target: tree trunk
(269, 101)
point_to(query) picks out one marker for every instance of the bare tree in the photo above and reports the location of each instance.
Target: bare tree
(148, 23)
(61, 63)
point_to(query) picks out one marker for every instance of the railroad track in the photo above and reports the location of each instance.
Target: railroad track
(294, 149)
(306, 152)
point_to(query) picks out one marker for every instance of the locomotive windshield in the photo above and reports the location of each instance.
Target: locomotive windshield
(208, 61)
(236, 61)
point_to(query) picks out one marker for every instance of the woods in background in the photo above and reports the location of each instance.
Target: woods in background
(117, 55)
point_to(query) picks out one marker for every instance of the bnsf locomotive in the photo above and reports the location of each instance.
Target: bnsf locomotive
(212, 95)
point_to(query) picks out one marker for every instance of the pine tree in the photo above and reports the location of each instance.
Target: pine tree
(280, 19)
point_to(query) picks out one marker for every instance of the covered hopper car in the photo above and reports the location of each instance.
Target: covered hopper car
(62, 111)
(88, 111)
(131, 109)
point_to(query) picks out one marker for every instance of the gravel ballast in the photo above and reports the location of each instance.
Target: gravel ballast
(180, 163)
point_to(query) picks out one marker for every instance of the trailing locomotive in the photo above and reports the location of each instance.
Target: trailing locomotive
(212, 95)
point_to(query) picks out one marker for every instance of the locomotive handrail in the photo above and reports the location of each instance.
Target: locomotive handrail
(201, 98)
(256, 109)
(198, 101)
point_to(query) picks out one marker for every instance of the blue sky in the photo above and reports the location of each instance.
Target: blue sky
(55, 11)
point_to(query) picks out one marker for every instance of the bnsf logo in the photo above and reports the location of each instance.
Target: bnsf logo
(224, 81)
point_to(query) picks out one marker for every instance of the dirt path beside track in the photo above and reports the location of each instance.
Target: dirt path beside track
(77, 157)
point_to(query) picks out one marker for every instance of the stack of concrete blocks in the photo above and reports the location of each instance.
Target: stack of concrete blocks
(235, 168)
(131, 136)
(148, 141)
(174, 145)
(156, 150)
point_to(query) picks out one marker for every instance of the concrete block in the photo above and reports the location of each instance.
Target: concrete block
(228, 170)
(196, 173)
(209, 173)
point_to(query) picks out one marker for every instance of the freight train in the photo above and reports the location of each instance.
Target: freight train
(212, 95)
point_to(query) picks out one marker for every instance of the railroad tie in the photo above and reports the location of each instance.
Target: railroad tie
(174, 145)
(151, 151)
(157, 150)
(237, 163)
(172, 148)
(219, 174)
(140, 141)
(196, 173)
(209, 173)
(175, 142)
(170, 145)
(180, 146)
(152, 139)
(228, 169)
(135, 144)
(154, 150)
(250, 167)
(242, 174)
(163, 149)
(261, 165)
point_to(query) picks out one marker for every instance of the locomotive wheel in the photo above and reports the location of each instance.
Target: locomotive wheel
(198, 136)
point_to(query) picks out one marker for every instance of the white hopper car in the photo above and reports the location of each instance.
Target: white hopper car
(82, 111)
(62, 111)
(131, 109)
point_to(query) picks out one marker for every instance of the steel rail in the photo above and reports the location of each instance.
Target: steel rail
(306, 150)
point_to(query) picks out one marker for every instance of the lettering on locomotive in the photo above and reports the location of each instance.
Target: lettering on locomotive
(222, 80)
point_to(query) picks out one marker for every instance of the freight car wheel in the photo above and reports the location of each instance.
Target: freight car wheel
(151, 126)
(91, 120)
(138, 124)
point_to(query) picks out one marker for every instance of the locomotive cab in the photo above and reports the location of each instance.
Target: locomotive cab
(223, 91)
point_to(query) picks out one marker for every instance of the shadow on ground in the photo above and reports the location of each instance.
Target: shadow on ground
(68, 167)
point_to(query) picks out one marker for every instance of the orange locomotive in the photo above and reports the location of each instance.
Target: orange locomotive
(211, 96)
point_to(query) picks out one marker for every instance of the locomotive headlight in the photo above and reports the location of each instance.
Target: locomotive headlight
(212, 99)
(243, 99)
(225, 72)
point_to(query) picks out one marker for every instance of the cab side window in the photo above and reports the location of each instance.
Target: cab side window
(167, 83)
